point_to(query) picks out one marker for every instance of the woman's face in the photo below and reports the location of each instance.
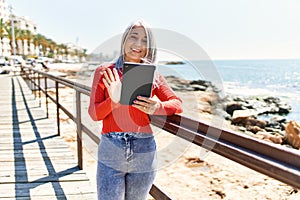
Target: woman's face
(135, 46)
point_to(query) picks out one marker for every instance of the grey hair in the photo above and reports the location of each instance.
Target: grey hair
(151, 44)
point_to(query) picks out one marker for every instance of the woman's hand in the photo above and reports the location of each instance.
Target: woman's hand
(146, 105)
(113, 84)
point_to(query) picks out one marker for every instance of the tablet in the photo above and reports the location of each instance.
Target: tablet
(137, 80)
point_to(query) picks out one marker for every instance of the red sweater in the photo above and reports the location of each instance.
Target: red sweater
(124, 118)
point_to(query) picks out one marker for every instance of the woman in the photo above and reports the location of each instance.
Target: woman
(127, 151)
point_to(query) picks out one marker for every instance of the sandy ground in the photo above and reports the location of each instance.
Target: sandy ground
(181, 174)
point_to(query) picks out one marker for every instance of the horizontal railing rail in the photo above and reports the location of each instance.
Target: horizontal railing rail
(273, 160)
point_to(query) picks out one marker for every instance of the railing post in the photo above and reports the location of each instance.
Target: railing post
(30, 75)
(39, 87)
(46, 96)
(57, 108)
(34, 82)
(22, 72)
(79, 129)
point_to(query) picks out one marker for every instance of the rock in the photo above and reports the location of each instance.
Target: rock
(194, 162)
(270, 100)
(284, 109)
(172, 62)
(210, 97)
(278, 119)
(266, 105)
(240, 115)
(257, 122)
(277, 126)
(232, 106)
(274, 130)
(199, 87)
(276, 138)
(179, 84)
(254, 129)
(241, 128)
(202, 82)
(292, 136)
(245, 111)
(204, 107)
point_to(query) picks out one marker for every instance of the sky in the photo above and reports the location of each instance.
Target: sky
(225, 29)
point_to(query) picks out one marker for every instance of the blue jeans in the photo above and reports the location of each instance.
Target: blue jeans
(126, 166)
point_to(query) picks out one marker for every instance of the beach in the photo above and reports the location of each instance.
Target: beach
(184, 172)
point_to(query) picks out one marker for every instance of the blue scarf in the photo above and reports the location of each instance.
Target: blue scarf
(119, 64)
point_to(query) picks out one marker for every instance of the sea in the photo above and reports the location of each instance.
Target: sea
(278, 78)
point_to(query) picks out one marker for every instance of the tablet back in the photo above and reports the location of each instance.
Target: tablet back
(137, 80)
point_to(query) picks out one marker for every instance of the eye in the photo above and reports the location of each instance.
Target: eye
(144, 41)
(133, 37)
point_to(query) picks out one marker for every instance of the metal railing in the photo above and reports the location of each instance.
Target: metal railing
(273, 160)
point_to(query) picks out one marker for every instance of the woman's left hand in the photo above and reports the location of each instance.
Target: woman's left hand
(146, 105)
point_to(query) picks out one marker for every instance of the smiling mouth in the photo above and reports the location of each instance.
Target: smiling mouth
(136, 50)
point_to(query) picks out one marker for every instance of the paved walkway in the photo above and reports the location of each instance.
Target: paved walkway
(35, 163)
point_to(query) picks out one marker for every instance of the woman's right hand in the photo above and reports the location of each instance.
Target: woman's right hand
(113, 84)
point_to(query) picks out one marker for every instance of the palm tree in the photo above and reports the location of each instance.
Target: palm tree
(2, 34)
(37, 40)
(27, 37)
(82, 54)
(22, 38)
(63, 50)
(41, 42)
(50, 46)
(17, 32)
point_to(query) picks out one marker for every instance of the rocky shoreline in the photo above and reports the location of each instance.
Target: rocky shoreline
(248, 114)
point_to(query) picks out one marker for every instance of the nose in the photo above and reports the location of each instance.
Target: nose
(138, 43)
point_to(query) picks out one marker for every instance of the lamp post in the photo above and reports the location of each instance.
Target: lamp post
(12, 30)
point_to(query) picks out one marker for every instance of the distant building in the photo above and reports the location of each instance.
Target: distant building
(24, 23)
(4, 12)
